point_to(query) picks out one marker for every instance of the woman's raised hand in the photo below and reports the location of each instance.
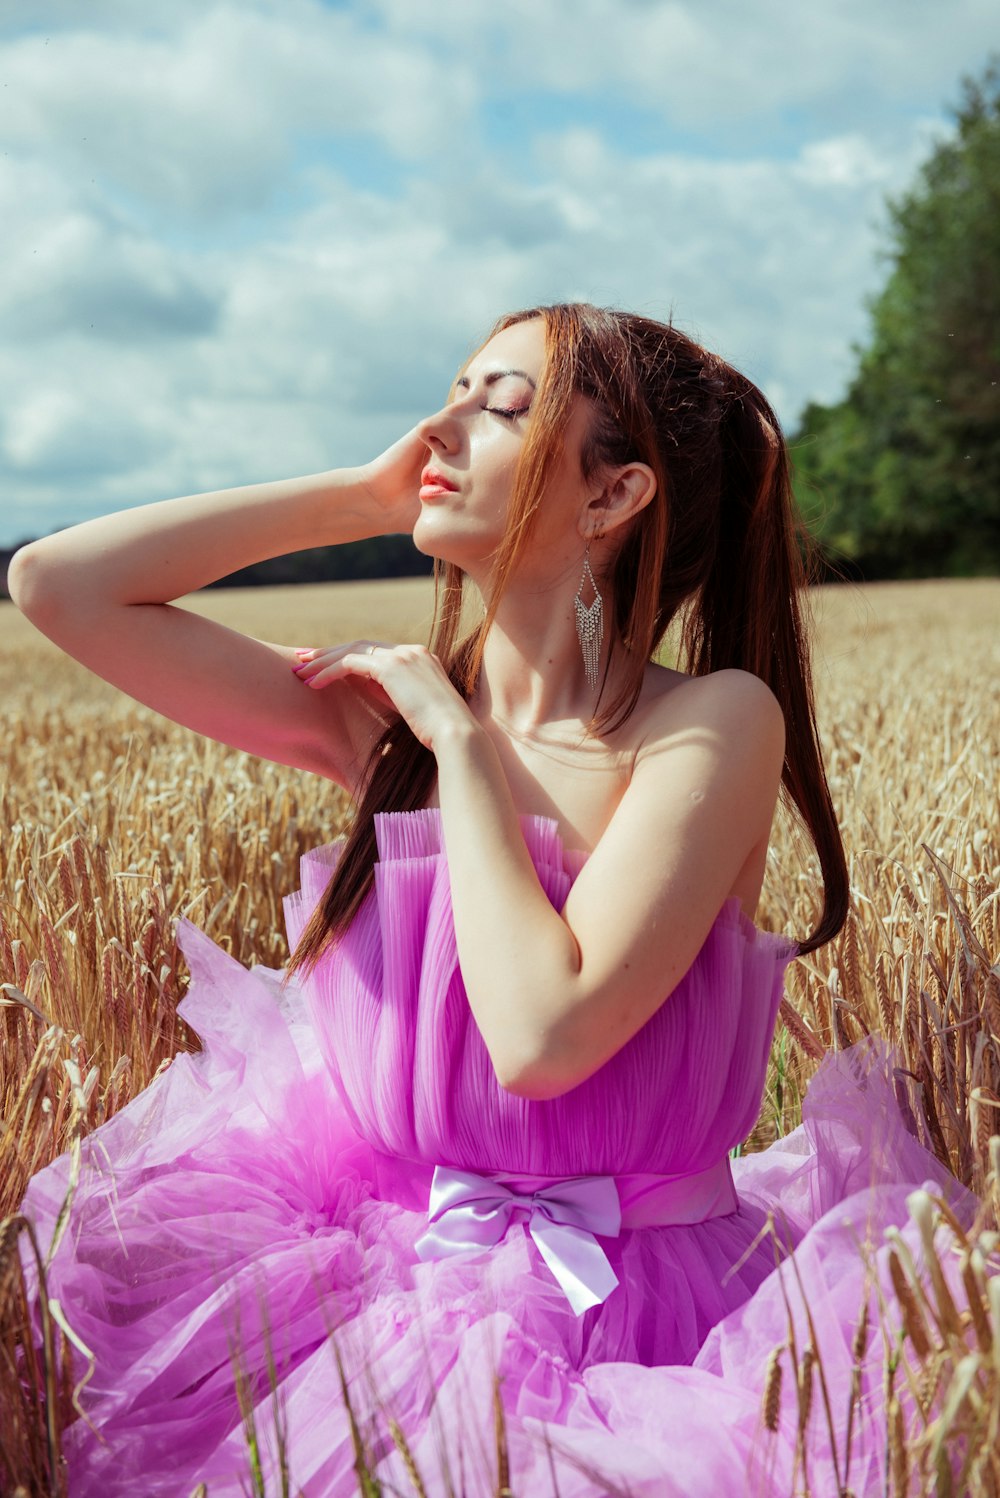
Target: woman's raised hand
(393, 481)
(406, 678)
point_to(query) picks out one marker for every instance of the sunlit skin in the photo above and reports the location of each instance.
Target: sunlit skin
(674, 809)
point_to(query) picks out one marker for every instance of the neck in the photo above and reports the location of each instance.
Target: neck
(533, 673)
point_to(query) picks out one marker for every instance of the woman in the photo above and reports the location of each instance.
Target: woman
(481, 1126)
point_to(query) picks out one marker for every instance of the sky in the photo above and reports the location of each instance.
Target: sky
(244, 241)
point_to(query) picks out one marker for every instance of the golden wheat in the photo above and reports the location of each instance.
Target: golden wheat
(114, 822)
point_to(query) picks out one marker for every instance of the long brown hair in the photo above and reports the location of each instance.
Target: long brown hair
(719, 549)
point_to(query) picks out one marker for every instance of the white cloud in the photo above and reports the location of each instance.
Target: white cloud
(82, 275)
(710, 67)
(58, 431)
(204, 122)
(843, 161)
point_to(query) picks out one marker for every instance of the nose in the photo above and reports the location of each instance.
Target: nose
(440, 432)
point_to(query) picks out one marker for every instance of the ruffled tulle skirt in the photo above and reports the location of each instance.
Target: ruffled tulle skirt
(241, 1267)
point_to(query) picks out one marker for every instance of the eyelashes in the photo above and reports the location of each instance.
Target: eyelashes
(508, 412)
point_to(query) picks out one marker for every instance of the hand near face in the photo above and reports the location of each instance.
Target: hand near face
(406, 678)
(393, 481)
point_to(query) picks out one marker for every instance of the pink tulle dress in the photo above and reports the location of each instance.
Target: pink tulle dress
(337, 1182)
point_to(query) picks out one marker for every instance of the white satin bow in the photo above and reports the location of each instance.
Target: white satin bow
(469, 1213)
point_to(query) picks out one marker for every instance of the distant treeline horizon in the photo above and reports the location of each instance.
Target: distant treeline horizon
(386, 557)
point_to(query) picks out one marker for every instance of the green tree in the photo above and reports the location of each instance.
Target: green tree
(902, 477)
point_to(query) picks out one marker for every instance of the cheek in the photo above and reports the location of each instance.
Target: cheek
(493, 457)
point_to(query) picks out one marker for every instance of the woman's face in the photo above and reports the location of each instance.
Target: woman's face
(474, 443)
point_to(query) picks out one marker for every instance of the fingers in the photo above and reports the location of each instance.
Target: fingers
(364, 658)
(408, 678)
(320, 667)
(311, 657)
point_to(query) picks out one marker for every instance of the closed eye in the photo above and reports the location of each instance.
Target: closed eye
(509, 412)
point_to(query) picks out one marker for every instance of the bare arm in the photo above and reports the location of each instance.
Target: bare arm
(103, 592)
(577, 984)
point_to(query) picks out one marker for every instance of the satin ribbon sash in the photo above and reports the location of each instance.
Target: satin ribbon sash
(469, 1213)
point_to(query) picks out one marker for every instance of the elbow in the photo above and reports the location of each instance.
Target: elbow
(29, 582)
(551, 1060)
(537, 1075)
(534, 1084)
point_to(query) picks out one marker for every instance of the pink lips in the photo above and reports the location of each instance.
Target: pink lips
(432, 482)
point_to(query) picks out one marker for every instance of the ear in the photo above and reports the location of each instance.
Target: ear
(627, 491)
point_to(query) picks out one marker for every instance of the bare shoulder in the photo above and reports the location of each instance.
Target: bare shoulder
(731, 706)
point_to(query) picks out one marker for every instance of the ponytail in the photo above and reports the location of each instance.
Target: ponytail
(749, 617)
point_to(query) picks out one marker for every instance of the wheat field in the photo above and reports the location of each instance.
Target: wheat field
(114, 822)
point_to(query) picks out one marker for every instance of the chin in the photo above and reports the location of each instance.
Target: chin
(444, 545)
(422, 540)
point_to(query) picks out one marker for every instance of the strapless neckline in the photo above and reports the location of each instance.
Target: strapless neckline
(422, 832)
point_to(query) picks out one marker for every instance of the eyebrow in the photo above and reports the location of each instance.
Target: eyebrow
(498, 374)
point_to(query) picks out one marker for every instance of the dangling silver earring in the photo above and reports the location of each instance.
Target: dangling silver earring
(590, 623)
